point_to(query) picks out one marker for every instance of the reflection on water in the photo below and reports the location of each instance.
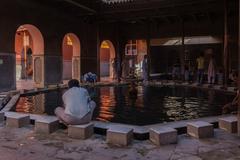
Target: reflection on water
(152, 104)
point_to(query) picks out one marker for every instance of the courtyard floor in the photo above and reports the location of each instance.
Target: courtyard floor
(24, 144)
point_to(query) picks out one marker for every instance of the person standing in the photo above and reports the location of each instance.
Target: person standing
(200, 68)
(176, 70)
(114, 65)
(186, 73)
(211, 70)
(23, 67)
(145, 69)
(125, 66)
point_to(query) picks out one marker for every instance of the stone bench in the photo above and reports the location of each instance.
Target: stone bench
(228, 124)
(81, 131)
(163, 135)
(200, 129)
(17, 120)
(118, 135)
(46, 125)
(2, 116)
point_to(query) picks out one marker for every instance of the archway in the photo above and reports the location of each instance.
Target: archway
(107, 61)
(29, 48)
(71, 57)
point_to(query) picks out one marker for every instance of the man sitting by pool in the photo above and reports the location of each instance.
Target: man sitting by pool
(78, 107)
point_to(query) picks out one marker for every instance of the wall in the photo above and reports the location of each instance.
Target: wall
(53, 26)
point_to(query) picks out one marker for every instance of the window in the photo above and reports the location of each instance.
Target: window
(131, 48)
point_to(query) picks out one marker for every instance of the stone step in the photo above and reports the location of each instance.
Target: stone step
(46, 124)
(3, 96)
(228, 124)
(200, 129)
(118, 135)
(163, 135)
(17, 120)
(81, 131)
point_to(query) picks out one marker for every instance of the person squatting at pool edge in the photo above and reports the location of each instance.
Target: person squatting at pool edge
(78, 107)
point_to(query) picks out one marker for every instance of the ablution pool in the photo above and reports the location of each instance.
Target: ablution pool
(153, 104)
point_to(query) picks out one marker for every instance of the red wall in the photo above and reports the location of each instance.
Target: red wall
(104, 54)
(67, 50)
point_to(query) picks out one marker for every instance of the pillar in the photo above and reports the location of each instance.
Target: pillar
(38, 71)
(53, 69)
(225, 46)
(119, 53)
(76, 68)
(182, 53)
(7, 71)
(239, 69)
(149, 49)
(98, 53)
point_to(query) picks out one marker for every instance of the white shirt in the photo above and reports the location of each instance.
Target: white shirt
(76, 101)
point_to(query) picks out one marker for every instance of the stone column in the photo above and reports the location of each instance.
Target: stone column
(76, 68)
(182, 53)
(38, 71)
(239, 70)
(7, 71)
(148, 50)
(225, 47)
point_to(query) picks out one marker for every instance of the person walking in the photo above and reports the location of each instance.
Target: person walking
(200, 68)
(211, 70)
(145, 69)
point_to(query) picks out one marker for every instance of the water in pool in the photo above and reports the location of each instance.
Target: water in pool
(152, 104)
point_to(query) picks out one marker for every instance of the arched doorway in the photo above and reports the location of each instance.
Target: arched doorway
(29, 48)
(107, 61)
(71, 57)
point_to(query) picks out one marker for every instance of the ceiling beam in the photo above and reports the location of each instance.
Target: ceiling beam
(106, 9)
(81, 6)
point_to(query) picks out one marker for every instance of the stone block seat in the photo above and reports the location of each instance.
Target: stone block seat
(200, 129)
(81, 131)
(119, 135)
(17, 120)
(228, 124)
(163, 135)
(46, 124)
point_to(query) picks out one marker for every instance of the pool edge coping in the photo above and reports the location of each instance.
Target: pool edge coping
(137, 129)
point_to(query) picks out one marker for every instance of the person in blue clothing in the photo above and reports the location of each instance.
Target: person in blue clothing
(90, 77)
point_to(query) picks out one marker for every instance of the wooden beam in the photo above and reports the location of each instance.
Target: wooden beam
(81, 6)
(180, 10)
(108, 9)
